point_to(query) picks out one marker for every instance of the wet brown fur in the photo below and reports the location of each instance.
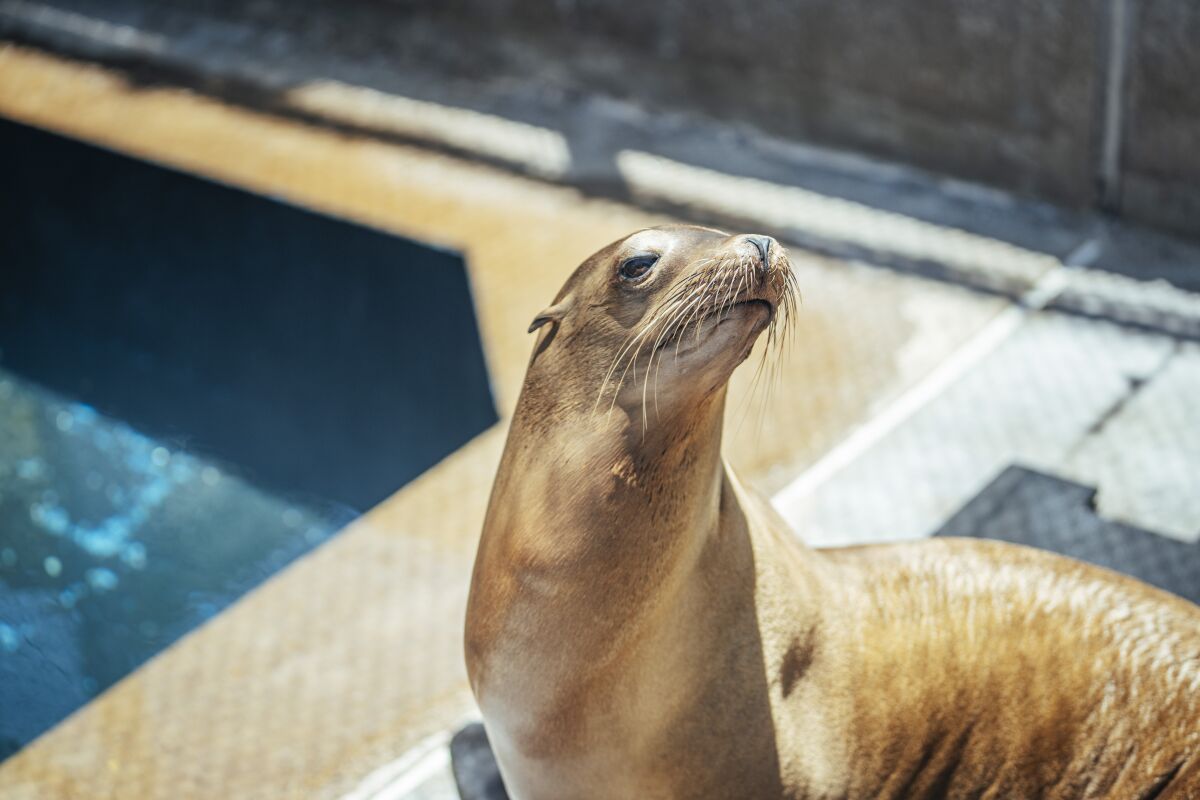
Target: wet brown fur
(641, 625)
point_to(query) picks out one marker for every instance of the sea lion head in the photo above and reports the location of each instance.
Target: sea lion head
(659, 319)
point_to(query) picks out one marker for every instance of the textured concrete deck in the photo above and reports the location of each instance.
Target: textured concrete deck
(341, 663)
(1081, 399)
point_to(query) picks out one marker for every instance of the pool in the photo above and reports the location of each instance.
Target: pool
(197, 386)
(114, 545)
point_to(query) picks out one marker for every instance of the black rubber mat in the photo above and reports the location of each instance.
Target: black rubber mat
(475, 770)
(1031, 508)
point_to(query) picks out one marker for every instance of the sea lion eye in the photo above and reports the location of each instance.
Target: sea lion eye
(636, 268)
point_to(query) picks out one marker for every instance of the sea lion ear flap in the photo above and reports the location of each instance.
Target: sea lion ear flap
(554, 314)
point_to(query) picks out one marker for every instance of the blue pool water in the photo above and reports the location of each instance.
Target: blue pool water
(197, 385)
(112, 546)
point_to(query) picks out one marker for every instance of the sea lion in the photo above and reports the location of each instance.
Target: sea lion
(643, 625)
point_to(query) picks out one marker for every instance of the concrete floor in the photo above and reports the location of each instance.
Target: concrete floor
(318, 683)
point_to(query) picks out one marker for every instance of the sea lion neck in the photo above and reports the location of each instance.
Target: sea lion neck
(570, 469)
(595, 528)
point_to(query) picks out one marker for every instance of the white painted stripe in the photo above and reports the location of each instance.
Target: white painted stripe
(396, 778)
(1085, 254)
(1156, 304)
(832, 218)
(435, 762)
(543, 151)
(917, 397)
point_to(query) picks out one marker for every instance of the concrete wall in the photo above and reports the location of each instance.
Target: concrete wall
(1161, 154)
(1003, 93)
(1086, 103)
(1012, 94)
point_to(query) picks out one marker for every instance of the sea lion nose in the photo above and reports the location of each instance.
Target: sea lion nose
(763, 244)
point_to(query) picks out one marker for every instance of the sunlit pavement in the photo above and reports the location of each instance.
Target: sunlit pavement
(900, 399)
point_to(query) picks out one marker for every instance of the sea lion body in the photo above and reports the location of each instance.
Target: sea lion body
(642, 625)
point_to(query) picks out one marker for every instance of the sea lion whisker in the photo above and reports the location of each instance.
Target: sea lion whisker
(680, 309)
(678, 316)
(654, 351)
(735, 272)
(671, 326)
(631, 357)
(795, 299)
(645, 390)
(716, 284)
(691, 313)
(629, 342)
(726, 287)
(608, 375)
(723, 288)
(743, 279)
(633, 363)
(695, 313)
(657, 372)
(769, 386)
